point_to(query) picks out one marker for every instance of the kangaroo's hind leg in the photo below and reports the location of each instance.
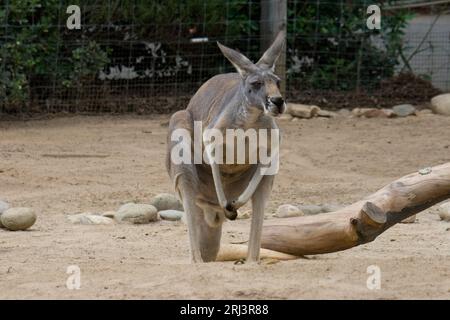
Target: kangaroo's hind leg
(204, 238)
(204, 223)
(259, 200)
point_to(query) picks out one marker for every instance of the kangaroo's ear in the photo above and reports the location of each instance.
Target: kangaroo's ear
(242, 64)
(272, 54)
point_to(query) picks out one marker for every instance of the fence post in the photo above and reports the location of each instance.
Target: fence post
(273, 20)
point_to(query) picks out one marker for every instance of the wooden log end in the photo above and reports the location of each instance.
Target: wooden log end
(372, 214)
(369, 222)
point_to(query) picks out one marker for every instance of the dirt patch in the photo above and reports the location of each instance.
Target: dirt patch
(322, 161)
(400, 89)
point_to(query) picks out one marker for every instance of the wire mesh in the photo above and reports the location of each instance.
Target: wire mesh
(149, 56)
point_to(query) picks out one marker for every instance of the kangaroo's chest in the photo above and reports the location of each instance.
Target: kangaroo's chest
(234, 171)
(237, 149)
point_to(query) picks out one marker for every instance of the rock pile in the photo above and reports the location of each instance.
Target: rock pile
(164, 206)
(289, 210)
(439, 105)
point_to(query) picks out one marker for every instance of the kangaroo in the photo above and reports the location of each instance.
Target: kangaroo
(212, 191)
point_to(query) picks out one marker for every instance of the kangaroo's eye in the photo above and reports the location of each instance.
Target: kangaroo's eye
(278, 83)
(257, 84)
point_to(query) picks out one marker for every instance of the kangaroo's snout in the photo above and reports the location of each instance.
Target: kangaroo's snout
(278, 102)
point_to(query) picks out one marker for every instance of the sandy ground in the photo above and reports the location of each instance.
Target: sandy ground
(323, 161)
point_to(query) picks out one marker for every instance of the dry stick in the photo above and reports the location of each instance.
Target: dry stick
(362, 221)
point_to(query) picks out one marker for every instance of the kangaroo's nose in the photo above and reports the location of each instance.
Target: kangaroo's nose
(278, 101)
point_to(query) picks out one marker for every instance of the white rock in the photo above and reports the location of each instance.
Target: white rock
(171, 215)
(441, 104)
(359, 112)
(425, 112)
(166, 201)
(310, 209)
(404, 110)
(344, 112)
(373, 113)
(136, 213)
(288, 210)
(330, 207)
(3, 207)
(18, 218)
(444, 211)
(302, 110)
(88, 218)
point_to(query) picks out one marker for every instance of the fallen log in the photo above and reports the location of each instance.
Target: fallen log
(361, 222)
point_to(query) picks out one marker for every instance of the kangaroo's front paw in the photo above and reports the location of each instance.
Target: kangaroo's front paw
(231, 210)
(230, 206)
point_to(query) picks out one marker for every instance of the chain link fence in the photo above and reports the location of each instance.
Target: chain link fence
(150, 57)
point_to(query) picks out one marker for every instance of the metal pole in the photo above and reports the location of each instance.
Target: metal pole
(273, 20)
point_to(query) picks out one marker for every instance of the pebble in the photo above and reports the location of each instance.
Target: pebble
(404, 110)
(171, 215)
(302, 110)
(166, 201)
(136, 213)
(18, 218)
(444, 211)
(331, 207)
(288, 210)
(373, 113)
(441, 104)
(344, 112)
(89, 219)
(310, 209)
(3, 207)
(425, 112)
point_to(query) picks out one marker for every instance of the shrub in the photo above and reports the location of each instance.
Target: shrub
(33, 52)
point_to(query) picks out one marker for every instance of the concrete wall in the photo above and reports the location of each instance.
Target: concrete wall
(434, 56)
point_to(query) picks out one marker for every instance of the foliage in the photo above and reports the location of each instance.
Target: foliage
(33, 51)
(331, 47)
